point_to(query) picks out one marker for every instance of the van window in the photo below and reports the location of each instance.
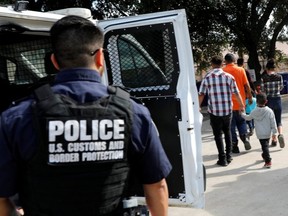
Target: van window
(24, 61)
(11, 70)
(142, 60)
(138, 69)
(130, 58)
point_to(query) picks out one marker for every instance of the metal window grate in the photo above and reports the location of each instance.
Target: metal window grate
(24, 62)
(142, 58)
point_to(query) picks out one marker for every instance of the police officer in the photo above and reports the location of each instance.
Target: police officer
(73, 164)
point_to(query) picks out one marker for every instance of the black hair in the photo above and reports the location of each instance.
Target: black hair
(261, 98)
(270, 64)
(217, 60)
(229, 58)
(240, 61)
(74, 41)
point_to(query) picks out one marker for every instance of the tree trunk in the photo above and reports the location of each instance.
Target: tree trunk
(271, 50)
(254, 63)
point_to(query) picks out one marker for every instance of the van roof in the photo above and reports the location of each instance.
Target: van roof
(38, 21)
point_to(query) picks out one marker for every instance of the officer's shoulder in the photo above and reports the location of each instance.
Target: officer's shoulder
(138, 105)
(137, 100)
(118, 91)
(31, 92)
(17, 107)
(122, 92)
(18, 101)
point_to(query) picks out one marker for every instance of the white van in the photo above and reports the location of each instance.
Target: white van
(150, 55)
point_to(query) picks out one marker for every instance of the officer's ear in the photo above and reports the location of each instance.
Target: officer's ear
(99, 61)
(54, 61)
(99, 58)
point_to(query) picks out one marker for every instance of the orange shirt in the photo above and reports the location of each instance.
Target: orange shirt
(241, 80)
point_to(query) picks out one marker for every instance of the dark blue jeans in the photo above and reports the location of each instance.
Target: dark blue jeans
(239, 123)
(220, 125)
(265, 150)
(275, 104)
(250, 124)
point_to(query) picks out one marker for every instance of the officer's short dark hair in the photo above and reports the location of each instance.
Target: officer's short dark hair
(217, 60)
(261, 99)
(74, 41)
(229, 58)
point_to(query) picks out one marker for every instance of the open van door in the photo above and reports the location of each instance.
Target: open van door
(151, 56)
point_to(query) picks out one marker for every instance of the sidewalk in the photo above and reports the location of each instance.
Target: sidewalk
(244, 188)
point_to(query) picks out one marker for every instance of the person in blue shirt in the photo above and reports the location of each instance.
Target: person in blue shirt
(78, 54)
(248, 110)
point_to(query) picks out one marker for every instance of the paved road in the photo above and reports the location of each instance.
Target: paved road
(244, 188)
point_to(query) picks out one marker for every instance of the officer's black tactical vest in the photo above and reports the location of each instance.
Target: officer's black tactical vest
(80, 167)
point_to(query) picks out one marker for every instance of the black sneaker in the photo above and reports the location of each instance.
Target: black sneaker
(273, 143)
(251, 132)
(229, 160)
(222, 163)
(247, 145)
(235, 150)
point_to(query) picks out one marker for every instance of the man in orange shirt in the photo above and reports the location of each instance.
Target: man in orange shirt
(244, 88)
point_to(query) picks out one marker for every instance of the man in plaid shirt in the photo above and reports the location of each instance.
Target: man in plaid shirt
(220, 86)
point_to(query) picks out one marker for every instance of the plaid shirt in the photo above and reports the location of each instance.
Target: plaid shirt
(219, 86)
(272, 84)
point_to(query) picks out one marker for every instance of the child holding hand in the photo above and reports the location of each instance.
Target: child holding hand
(265, 125)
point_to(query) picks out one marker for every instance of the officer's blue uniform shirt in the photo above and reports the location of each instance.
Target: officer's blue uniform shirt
(18, 133)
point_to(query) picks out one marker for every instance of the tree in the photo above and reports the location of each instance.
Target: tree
(255, 24)
(5, 2)
(248, 26)
(103, 9)
(208, 38)
(48, 5)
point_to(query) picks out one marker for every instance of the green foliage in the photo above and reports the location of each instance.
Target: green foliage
(3, 2)
(245, 26)
(48, 5)
(103, 9)
(6, 2)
